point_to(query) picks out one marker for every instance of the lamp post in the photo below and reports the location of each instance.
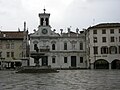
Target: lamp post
(2, 62)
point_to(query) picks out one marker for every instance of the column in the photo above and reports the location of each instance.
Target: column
(110, 66)
(91, 65)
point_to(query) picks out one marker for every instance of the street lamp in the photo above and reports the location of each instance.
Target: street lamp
(2, 59)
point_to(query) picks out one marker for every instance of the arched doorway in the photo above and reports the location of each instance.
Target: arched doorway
(115, 64)
(101, 64)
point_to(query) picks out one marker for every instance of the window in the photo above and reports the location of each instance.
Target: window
(112, 39)
(12, 45)
(81, 46)
(81, 59)
(65, 46)
(94, 31)
(53, 46)
(0, 45)
(119, 30)
(111, 31)
(0, 54)
(119, 49)
(8, 54)
(12, 54)
(53, 59)
(119, 38)
(113, 50)
(65, 59)
(47, 21)
(103, 39)
(22, 54)
(23, 45)
(35, 47)
(95, 50)
(7, 46)
(95, 39)
(104, 50)
(103, 31)
(41, 22)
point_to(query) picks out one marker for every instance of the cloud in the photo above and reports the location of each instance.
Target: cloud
(64, 13)
(11, 14)
(81, 14)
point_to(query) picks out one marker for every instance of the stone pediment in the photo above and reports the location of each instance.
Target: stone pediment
(41, 33)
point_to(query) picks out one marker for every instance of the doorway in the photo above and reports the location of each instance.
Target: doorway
(73, 61)
(45, 61)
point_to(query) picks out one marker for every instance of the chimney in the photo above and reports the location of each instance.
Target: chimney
(34, 30)
(77, 30)
(61, 30)
(68, 30)
(24, 26)
(19, 29)
(54, 30)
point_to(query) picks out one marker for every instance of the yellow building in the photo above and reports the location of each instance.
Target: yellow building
(14, 48)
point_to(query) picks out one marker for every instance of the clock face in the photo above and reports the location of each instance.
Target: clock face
(44, 31)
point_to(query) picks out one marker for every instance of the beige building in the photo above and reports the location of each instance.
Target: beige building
(103, 46)
(13, 48)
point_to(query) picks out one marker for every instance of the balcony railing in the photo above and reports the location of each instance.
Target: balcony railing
(44, 49)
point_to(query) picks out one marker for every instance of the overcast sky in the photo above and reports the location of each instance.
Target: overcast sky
(64, 13)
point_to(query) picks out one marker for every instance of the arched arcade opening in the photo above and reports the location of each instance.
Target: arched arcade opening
(101, 64)
(115, 64)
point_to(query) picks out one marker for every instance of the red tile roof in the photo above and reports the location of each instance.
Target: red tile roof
(11, 34)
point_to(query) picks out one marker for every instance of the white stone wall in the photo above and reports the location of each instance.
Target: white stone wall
(99, 35)
(60, 53)
(47, 39)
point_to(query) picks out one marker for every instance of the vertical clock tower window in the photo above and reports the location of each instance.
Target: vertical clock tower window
(47, 21)
(42, 19)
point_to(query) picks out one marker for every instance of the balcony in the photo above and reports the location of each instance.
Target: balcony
(41, 49)
(44, 49)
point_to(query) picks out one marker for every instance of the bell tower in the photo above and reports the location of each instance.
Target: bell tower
(44, 26)
(44, 19)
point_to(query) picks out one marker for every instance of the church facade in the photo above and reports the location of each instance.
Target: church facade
(64, 50)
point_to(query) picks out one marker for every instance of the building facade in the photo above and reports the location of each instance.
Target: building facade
(103, 46)
(14, 51)
(65, 50)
